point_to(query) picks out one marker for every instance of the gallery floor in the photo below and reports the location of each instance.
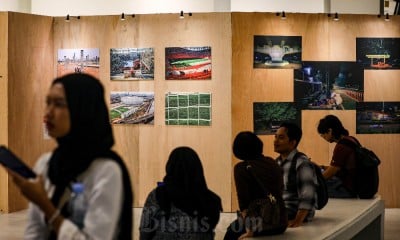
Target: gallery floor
(13, 224)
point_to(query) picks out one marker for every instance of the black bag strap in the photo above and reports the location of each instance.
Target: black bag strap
(250, 169)
(265, 190)
(292, 177)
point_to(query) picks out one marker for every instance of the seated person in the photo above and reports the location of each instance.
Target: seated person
(182, 207)
(248, 148)
(340, 174)
(300, 199)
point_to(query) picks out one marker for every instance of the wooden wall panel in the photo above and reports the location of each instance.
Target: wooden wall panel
(3, 106)
(30, 41)
(145, 148)
(323, 40)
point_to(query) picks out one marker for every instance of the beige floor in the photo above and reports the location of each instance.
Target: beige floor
(12, 225)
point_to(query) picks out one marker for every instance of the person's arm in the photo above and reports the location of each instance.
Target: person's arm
(306, 188)
(147, 221)
(330, 171)
(300, 216)
(35, 192)
(242, 180)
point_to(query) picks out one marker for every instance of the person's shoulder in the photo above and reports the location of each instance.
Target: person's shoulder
(104, 166)
(42, 162)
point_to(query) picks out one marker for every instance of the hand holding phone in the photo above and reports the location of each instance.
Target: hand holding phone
(12, 162)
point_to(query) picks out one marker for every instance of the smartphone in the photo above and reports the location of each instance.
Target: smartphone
(11, 161)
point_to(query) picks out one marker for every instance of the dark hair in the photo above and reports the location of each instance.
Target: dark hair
(247, 146)
(332, 122)
(293, 131)
(185, 187)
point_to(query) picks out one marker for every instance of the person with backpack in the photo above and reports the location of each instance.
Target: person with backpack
(257, 177)
(341, 172)
(299, 191)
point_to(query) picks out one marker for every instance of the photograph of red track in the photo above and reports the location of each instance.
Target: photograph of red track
(182, 63)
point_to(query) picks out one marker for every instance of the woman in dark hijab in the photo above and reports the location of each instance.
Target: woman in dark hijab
(253, 170)
(77, 117)
(182, 206)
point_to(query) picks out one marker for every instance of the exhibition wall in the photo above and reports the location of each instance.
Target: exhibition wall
(28, 62)
(323, 39)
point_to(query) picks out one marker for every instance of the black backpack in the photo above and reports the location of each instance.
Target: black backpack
(321, 188)
(367, 175)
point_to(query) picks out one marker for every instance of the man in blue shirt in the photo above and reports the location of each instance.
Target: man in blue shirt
(299, 196)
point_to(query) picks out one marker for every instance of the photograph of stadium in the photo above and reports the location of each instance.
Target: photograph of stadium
(268, 116)
(182, 63)
(80, 60)
(378, 53)
(188, 108)
(277, 52)
(131, 63)
(132, 107)
(378, 117)
(329, 85)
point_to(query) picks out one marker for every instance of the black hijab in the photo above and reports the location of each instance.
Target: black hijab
(186, 188)
(90, 137)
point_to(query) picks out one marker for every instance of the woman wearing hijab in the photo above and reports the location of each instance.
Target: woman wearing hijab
(182, 207)
(76, 116)
(253, 170)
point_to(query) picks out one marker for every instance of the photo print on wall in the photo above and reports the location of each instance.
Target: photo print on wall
(378, 53)
(79, 60)
(192, 108)
(378, 117)
(183, 63)
(132, 108)
(277, 52)
(268, 116)
(131, 64)
(329, 85)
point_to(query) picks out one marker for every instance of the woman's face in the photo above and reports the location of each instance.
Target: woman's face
(328, 136)
(56, 117)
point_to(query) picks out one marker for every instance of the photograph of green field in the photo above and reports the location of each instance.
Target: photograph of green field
(132, 107)
(188, 109)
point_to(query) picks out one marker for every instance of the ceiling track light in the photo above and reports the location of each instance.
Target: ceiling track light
(283, 15)
(336, 18)
(68, 17)
(387, 17)
(123, 16)
(182, 15)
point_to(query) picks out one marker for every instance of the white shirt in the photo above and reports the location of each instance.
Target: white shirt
(104, 192)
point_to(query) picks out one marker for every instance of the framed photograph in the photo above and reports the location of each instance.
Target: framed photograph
(188, 63)
(378, 53)
(277, 52)
(192, 108)
(268, 116)
(329, 85)
(80, 60)
(132, 108)
(378, 117)
(131, 64)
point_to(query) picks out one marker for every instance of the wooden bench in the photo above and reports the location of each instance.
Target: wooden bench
(341, 219)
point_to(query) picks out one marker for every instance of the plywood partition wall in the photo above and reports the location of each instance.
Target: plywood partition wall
(27, 69)
(3, 105)
(145, 148)
(322, 40)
